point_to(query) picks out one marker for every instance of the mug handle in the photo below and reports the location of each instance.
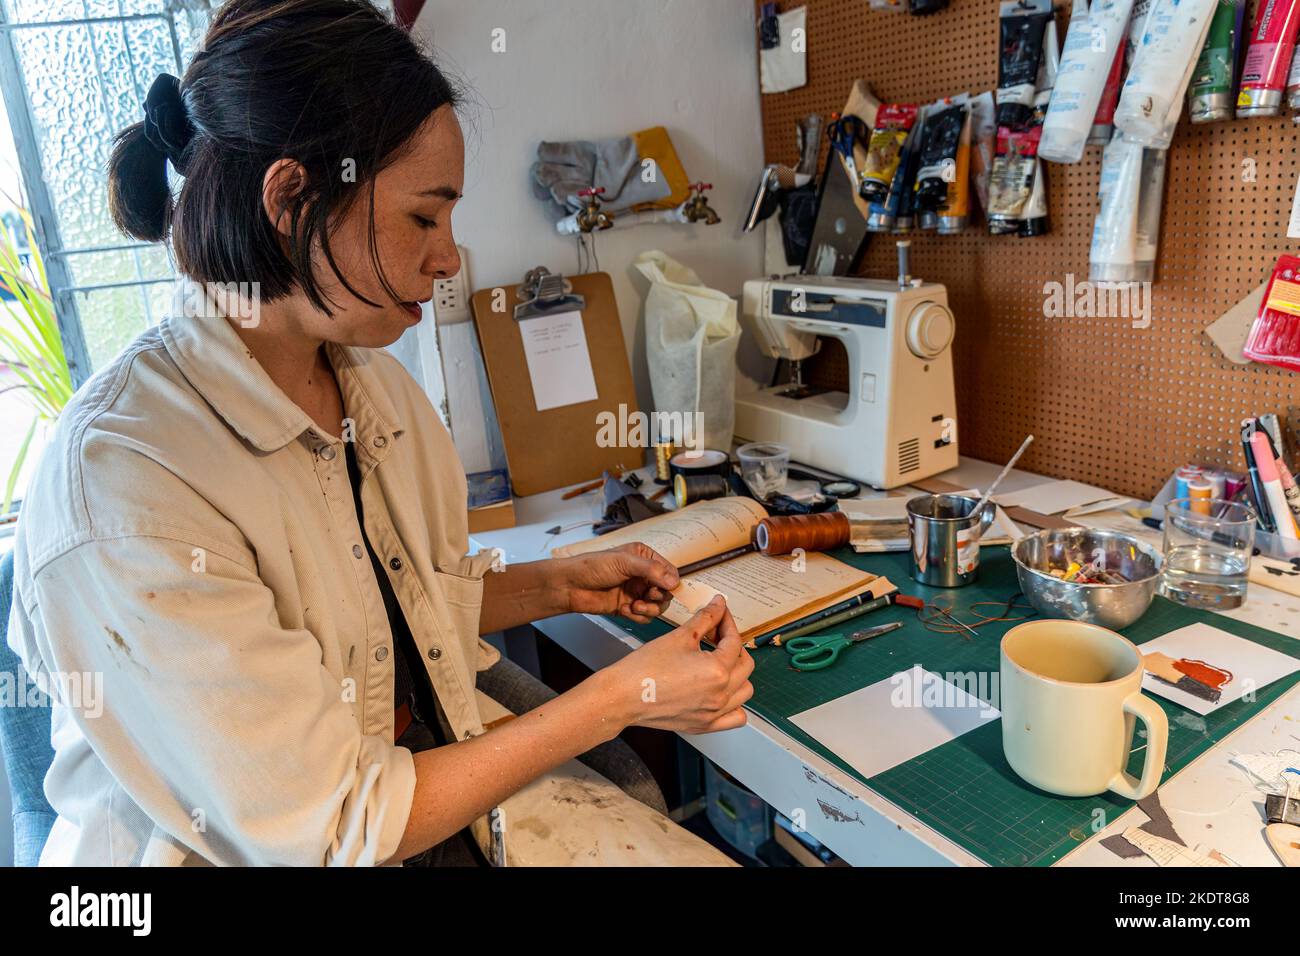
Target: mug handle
(1157, 724)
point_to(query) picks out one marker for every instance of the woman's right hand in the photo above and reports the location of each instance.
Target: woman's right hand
(678, 686)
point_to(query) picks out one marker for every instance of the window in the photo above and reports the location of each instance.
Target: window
(74, 72)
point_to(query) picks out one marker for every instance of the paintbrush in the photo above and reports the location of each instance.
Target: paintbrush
(997, 481)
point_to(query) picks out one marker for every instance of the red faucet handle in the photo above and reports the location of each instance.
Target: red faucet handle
(592, 192)
(701, 187)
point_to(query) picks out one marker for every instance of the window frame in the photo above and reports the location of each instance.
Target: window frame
(49, 237)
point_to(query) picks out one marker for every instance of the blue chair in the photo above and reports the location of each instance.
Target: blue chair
(25, 740)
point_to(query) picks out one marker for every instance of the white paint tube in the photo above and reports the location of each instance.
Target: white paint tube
(1114, 235)
(1151, 194)
(1149, 105)
(1091, 43)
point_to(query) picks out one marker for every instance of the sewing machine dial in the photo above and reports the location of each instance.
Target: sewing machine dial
(930, 329)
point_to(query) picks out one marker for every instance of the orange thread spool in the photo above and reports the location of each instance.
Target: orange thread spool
(820, 532)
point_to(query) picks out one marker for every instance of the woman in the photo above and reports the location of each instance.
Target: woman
(251, 525)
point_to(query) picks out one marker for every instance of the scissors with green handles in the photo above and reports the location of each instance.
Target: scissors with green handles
(815, 653)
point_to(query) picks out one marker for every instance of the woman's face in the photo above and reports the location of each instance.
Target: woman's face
(413, 200)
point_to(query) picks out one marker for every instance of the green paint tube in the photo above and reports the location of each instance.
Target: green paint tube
(1210, 95)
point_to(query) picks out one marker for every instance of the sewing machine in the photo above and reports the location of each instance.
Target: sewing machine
(897, 422)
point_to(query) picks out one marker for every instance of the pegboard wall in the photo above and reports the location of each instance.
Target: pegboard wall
(1107, 403)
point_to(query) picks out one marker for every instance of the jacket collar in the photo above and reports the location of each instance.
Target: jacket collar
(211, 355)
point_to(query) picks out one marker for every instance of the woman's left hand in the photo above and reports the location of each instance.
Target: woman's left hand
(632, 580)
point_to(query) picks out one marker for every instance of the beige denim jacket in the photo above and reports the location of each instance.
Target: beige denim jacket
(190, 540)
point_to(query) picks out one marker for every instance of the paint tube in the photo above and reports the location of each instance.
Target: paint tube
(1091, 45)
(1034, 215)
(1151, 193)
(885, 217)
(1022, 23)
(983, 145)
(1033, 220)
(893, 122)
(1149, 103)
(943, 125)
(1103, 124)
(1210, 97)
(955, 213)
(1114, 234)
(1012, 179)
(927, 220)
(1268, 59)
(1293, 81)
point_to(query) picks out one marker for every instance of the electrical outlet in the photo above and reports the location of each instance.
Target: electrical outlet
(451, 296)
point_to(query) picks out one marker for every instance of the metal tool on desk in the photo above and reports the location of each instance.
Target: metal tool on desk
(895, 422)
(816, 653)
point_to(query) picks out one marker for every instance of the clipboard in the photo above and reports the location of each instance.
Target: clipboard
(557, 447)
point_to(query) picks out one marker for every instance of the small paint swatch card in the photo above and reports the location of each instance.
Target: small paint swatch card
(1203, 668)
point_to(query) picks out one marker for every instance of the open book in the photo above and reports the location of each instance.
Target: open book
(763, 593)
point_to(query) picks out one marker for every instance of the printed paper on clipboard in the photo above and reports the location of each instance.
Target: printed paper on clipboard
(559, 365)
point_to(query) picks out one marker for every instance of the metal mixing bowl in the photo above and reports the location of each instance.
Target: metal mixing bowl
(1110, 605)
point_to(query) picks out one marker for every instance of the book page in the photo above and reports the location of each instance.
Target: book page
(690, 534)
(764, 593)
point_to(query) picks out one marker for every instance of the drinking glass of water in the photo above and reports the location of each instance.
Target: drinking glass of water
(1208, 544)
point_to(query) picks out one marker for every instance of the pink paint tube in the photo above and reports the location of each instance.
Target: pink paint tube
(1268, 60)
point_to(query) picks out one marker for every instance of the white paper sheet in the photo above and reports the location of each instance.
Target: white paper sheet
(1053, 497)
(785, 66)
(896, 719)
(1253, 666)
(559, 364)
(1293, 226)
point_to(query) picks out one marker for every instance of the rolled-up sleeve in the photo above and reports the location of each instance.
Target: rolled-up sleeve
(222, 725)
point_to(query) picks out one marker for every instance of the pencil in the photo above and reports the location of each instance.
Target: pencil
(827, 617)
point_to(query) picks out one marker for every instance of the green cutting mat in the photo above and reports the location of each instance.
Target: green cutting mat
(965, 789)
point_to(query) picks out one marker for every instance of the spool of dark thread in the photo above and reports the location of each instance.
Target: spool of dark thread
(691, 488)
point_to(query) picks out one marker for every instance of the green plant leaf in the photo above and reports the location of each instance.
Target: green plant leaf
(17, 468)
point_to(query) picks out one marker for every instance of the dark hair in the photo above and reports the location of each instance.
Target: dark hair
(323, 82)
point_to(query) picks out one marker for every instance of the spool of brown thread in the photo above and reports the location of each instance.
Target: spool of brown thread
(821, 532)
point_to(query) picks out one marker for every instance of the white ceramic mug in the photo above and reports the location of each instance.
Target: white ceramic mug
(1071, 693)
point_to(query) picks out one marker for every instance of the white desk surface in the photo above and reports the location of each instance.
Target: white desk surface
(1209, 801)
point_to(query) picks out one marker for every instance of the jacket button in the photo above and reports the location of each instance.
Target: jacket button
(395, 563)
(381, 653)
(380, 441)
(327, 452)
(434, 653)
(356, 551)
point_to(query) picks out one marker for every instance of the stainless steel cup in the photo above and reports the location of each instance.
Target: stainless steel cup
(945, 538)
